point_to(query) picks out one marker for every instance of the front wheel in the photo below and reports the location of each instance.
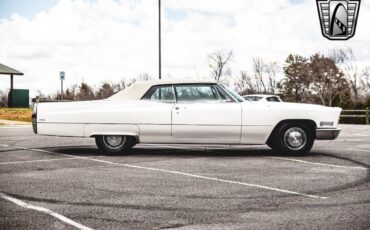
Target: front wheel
(294, 138)
(113, 144)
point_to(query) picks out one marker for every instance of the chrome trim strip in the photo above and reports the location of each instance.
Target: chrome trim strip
(84, 123)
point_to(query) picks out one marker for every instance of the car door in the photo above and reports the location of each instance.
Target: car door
(201, 114)
(155, 114)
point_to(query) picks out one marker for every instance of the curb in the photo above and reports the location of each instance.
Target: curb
(9, 122)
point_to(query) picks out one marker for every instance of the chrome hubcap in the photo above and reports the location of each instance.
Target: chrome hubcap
(295, 138)
(114, 142)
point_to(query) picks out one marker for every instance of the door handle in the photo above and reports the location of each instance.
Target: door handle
(179, 107)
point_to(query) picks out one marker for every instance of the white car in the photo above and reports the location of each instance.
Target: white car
(187, 112)
(262, 98)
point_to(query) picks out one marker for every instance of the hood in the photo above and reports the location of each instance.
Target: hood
(291, 106)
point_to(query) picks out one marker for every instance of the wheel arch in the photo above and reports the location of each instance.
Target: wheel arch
(93, 130)
(308, 122)
(133, 135)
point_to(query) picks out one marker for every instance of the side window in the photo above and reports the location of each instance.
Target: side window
(273, 99)
(160, 93)
(258, 98)
(196, 93)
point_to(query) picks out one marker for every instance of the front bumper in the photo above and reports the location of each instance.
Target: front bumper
(327, 134)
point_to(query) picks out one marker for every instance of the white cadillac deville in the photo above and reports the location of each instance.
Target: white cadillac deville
(183, 111)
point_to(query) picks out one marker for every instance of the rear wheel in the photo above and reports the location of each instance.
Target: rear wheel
(114, 144)
(293, 138)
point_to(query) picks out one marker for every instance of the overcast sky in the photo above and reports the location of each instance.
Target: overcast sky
(108, 40)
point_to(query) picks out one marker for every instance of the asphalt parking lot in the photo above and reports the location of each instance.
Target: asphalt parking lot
(65, 183)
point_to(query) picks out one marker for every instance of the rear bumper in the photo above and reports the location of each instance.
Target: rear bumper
(34, 118)
(327, 134)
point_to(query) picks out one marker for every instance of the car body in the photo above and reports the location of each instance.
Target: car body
(187, 111)
(262, 98)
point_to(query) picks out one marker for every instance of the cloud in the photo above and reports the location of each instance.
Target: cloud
(107, 40)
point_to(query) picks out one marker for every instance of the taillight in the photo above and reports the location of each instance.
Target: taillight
(34, 118)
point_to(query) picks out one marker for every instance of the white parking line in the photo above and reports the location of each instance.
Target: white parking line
(209, 178)
(308, 162)
(21, 162)
(51, 152)
(350, 149)
(44, 210)
(317, 163)
(185, 174)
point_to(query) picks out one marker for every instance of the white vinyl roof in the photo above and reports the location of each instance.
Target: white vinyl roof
(260, 95)
(138, 89)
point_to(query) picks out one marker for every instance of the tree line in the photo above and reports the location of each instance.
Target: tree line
(334, 79)
(84, 91)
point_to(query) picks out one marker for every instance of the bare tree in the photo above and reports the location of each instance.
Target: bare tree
(263, 80)
(121, 85)
(265, 75)
(365, 82)
(143, 77)
(272, 69)
(140, 77)
(245, 84)
(346, 59)
(218, 62)
(259, 69)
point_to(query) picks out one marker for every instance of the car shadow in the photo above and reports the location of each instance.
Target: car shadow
(189, 152)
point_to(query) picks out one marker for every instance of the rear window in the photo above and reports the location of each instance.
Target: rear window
(273, 99)
(160, 93)
(253, 98)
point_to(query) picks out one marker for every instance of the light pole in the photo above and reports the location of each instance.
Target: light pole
(159, 41)
(62, 77)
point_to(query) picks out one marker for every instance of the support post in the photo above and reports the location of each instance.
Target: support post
(11, 82)
(159, 41)
(61, 90)
(10, 97)
(367, 115)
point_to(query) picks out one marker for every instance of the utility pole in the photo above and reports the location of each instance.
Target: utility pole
(159, 40)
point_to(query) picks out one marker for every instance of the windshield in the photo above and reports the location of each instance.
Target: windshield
(234, 94)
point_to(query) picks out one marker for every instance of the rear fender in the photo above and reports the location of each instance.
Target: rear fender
(91, 130)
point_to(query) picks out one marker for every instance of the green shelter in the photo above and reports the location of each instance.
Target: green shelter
(15, 96)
